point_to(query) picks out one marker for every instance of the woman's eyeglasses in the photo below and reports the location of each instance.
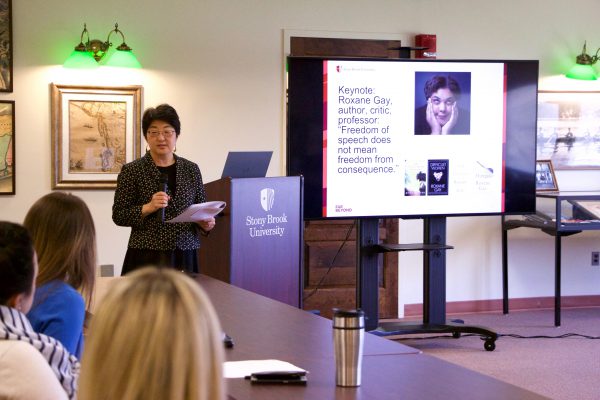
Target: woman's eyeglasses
(167, 134)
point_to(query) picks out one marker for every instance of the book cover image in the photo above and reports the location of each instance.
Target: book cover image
(415, 177)
(437, 177)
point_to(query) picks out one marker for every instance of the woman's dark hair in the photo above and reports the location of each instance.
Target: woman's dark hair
(163, 112)
(441, 82)
(16, 261)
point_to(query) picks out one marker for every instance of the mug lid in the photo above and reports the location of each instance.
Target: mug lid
(337, 312)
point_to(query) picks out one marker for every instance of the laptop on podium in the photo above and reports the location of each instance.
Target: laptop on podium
(247, 164)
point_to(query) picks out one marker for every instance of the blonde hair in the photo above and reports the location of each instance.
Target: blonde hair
(155, 336)
(64, 238)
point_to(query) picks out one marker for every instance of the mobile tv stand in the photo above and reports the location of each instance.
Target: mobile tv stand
(434, 283)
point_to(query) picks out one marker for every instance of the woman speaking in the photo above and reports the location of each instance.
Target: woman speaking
(154, 189)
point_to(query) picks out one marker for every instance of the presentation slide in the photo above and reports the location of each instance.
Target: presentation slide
(413, 138)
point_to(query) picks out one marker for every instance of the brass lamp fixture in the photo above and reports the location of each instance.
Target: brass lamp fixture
(583, 68)
(88, 54)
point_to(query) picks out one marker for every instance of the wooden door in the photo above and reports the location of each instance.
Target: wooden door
(330, 245)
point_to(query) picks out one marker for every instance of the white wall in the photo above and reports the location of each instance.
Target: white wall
(220, 63)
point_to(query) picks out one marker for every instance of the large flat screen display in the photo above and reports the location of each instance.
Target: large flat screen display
(412, 138)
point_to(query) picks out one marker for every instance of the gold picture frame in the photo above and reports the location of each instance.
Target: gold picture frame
(545, 179)
(95, 131)
(7, 147)
(6, 46)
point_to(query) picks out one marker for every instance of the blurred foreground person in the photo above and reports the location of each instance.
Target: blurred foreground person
(64, 238)
(32, 365)
(155, 335)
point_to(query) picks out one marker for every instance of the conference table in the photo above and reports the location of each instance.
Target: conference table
(263, 329)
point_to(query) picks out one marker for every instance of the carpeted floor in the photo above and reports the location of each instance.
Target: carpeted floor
(562, 369)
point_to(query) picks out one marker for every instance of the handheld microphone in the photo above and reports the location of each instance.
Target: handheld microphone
(162, 187)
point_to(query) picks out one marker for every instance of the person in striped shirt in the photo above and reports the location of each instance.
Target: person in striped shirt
(18, 270)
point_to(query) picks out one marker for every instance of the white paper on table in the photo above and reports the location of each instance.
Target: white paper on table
(200, 212)
(241, 369)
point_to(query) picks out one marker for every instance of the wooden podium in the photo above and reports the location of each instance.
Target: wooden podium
(257, 241)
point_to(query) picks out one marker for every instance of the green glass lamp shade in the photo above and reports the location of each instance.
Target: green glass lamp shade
(124, 59)
(582, 72)
(80, 59)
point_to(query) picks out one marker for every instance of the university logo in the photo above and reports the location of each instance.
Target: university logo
(267, 196)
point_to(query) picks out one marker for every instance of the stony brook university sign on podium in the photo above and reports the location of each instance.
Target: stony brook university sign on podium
(257, 241)
(270, 224)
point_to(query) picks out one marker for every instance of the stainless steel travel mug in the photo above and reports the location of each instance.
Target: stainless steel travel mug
(348, 338)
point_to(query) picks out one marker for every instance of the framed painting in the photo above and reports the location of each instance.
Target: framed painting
(569, 129)
(6, 46)
(95, 131)
(7, 147)
(545, 180)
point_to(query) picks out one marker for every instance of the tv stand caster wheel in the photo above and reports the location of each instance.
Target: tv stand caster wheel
(456, 335)
(489, 345)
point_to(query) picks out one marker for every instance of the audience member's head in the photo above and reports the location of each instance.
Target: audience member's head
(155, 335)
(17, 267)
(64, 238)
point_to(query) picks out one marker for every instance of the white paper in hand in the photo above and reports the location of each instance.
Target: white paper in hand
(200, 212)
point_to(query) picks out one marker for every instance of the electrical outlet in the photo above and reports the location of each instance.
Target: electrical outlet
(595, 258)
(107, 270)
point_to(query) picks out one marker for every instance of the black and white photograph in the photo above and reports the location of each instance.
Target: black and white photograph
(568, 131)
(545, 179)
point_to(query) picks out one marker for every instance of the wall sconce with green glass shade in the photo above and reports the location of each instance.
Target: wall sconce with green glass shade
(584, 66)
(88, 54)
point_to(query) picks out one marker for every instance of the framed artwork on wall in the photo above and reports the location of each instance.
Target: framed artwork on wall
(95, 131)
(569, 129)
(545, 180)
(7, 147)
(6, 46)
